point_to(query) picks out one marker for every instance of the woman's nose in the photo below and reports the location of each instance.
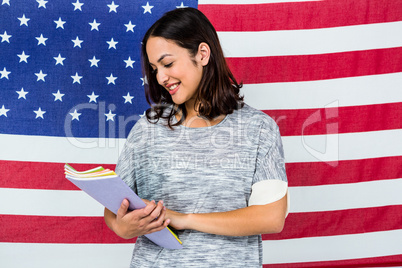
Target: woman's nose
(162, 77)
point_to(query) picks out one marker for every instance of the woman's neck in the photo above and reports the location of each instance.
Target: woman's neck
(194, 120)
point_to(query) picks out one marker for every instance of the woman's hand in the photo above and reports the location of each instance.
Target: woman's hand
(137, 222)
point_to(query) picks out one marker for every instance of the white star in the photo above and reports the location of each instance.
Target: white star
(111, 79)
(77, 42)
(77, 5)
(181, 6)
(147, 8)
(142, 115)
(129, 62)
(112, 7)
(94, 25)
(59, 59)
(41, 76)
(3, 111)
(39, 113)
(92, 97)
(4, 73)
(22, 93)
(5, 37)
(129, 26)
(75, 115)
(128, 98)
(58, 96)
(110, 116)
(60, 23)
(144, 80)
(6, 2)
(42, 3)
(112, 43)
(41, 40)
(23, 57)
(23, 20)
(94, 62)
(76, 78)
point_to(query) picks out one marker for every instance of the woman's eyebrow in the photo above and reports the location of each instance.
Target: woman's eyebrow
(163, 56)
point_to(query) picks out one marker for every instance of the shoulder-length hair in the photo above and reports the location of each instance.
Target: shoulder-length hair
(218, 92)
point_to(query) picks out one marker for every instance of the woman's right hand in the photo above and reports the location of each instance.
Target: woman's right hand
(130, 224)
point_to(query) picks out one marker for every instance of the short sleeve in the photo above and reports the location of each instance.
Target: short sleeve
(270, 163)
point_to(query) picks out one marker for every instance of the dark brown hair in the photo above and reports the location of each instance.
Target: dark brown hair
(218, 91)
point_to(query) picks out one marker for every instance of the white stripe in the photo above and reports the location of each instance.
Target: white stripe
(20, 255)
(316, 41)
(302, 199)
(248, 2)
(330, 248)
(345, 196)
(60, 149)
(312, 148)
(351, 91)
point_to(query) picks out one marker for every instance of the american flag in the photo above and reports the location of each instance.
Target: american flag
(328, 72)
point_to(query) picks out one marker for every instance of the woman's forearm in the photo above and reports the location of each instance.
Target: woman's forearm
(257, 219)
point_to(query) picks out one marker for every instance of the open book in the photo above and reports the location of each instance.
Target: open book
(106, 187)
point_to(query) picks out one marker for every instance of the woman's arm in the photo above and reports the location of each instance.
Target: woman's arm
(137, 222)
(252, 220)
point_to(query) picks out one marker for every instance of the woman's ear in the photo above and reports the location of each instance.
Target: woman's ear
(204, 52)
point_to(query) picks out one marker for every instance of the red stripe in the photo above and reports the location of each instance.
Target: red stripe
(45, 229)
(39, 175)
(363, 118)
(316, 67)
(50, 176)
(385, 261)
(49, 229)
(305, 15)
(346, 171)
(340, 222)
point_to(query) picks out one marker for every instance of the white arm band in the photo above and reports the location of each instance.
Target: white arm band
(268, 191)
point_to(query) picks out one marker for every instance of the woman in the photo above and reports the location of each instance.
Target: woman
(215, 164)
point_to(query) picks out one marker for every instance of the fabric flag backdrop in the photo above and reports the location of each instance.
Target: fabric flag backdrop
(329, 73)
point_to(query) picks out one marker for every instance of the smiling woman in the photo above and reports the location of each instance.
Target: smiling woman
(215, 164)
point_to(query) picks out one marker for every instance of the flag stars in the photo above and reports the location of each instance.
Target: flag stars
(4, 73)
(59, 59)
(75, 115)
(39, 113)
(144, 81)
(5, 37)
(92, 97)
(147, 8)
(94, 62)
(42, 3)
(6, 2)
(59, 23)
(129, 62)
(23, 57)
(3, 111)
(129, 26)
(76, 78)
(58, 96)
(111, 79)
(128, 98)
(41, 40)
(112, 7)
(24, 20)
(94, 25)
(110, 116)
(181, 6)
(22, 94)
(77, 42)
(41, 76)
(77, 5)
(112, 43)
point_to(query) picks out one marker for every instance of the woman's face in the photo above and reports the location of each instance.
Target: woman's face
(178, 72)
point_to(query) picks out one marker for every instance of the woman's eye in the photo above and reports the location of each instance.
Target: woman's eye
(169, 65)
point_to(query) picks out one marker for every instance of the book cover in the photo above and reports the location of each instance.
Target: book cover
(106, 187)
